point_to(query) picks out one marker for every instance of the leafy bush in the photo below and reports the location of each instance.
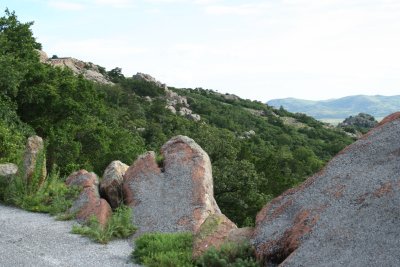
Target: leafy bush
(118, 226)
(164, 249)
(229, 255)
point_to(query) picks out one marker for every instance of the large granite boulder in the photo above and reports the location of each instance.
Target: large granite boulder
(111, 185)
(346, 215)
(177, 196)
(8, 170)
(34, 153)
(88, 202)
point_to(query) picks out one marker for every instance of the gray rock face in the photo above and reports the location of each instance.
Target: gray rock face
(177, 197)
(8, 170)
(194, 117)
(174, 99)
(111, 185)
(148, 78)
(346, 215)
(89, 70)
(33, 150)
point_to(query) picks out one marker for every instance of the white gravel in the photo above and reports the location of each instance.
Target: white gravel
(34, 239)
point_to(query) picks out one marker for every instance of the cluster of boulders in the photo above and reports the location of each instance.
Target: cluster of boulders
(175, 103)
(174, 196)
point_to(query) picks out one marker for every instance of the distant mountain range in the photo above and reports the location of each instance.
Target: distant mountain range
(378, 106)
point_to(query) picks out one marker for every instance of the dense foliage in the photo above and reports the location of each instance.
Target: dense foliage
(229, 255)
(360, 123)
(87, 125)
(164, 250)
(175, 249)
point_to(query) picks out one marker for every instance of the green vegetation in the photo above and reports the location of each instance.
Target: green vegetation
(88, 125)
(118, 226)
(229, 255)
(164, 250)
(175, 249)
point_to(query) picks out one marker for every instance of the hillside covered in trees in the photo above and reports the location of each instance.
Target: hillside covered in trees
(257, 151)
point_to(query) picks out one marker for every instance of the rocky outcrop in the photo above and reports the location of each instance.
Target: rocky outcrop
(175, 103)
(173, 99)
(346, 215)
(212, 233)
(177, 196)
(111, 185)
(148, 78)
(88, 202)
(34, 157)
(89, 70)
(8, 170)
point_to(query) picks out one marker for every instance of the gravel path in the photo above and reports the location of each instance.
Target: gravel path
(34, 239)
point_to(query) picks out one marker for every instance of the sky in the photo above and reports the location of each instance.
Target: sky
(256, 49)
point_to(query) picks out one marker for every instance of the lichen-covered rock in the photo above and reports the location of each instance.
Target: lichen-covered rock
(7, 170)
(212, 233)
(346, 215)
(88, 202)
(176, 197)
(111, 185)
(34, 151)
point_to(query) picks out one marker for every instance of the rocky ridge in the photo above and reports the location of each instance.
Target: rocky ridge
(89, 70)
(175, 103)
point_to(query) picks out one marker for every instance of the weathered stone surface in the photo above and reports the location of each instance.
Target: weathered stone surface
(33, 150)
(240, 235)
(89, 70)
(194, 117)
(148, 78)
(88, 202)
(83, 179)
(185, 112)
(111, 185)
(346, 215)
(171, 108)
(8, 170)
(173, 99)
(177, 197)
(212, 233)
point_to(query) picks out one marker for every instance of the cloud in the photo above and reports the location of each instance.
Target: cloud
(63, 5)
(241, 10)
(115, 3)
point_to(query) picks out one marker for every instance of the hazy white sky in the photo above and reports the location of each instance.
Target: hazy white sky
(257, 49)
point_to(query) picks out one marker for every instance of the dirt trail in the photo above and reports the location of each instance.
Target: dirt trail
(34, 239)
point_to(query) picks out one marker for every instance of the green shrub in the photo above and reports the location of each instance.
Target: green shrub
(53, 196)
(119, 226)
(164, 249)
(229, 255)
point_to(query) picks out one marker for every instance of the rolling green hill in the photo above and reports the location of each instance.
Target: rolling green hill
(378, 106)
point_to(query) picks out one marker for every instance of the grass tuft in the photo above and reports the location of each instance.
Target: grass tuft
(119, 226)
(229, 255)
